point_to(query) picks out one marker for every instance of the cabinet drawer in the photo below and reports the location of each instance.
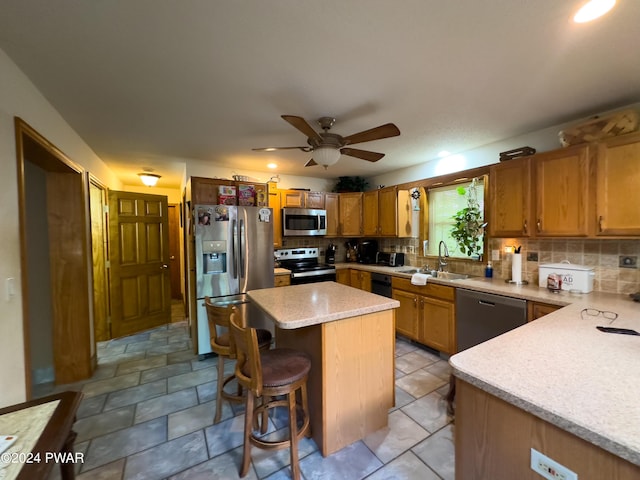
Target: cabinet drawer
(442, 292)
(281, 280)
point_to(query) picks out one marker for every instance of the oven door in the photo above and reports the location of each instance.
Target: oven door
(298, 278)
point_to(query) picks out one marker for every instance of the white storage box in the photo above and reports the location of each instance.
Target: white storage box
(574, 277)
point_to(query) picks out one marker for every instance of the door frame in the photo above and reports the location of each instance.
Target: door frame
(71, 337)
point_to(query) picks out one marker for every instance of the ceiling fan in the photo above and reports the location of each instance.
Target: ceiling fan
(327, 147)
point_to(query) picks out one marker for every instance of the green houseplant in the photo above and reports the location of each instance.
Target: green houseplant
(468, 226)
(350, 184)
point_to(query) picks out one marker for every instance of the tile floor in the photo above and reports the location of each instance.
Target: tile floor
(147, 413)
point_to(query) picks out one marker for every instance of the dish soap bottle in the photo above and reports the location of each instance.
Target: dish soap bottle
(488, 271)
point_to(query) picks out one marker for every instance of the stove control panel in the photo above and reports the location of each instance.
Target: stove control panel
(296, 253)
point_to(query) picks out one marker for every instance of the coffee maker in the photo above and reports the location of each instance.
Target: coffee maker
(330, 254)
(367, 250)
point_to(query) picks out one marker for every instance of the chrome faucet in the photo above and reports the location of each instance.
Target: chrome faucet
(442, 259)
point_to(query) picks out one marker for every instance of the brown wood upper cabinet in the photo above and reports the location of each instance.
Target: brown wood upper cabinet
(331, 205)
(386, 213)
(350, 214)
(545, 195)
(301, 199)
(618, 186)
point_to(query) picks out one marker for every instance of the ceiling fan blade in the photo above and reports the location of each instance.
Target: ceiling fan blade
(363, 154)
(383, 131)
(310, 163)
(271, 149)
(302, 125)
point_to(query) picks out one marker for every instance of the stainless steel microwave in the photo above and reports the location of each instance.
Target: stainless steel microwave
(298, 222)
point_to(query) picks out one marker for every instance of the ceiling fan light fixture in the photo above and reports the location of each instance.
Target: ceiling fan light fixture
(326, 156)
(149, 179)
(593, 9)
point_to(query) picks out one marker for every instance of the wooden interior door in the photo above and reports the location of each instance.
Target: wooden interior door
(139, 274)
(99, 256)
(174, 252)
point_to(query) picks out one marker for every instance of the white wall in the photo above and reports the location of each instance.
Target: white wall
(206, 169)
(19, 97)
(542, 140)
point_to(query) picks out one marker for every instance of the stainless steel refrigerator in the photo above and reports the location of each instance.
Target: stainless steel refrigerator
(234, 254)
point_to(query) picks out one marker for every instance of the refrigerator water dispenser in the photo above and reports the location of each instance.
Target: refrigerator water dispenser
(214, 253)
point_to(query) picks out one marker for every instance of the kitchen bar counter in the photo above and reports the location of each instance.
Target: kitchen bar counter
(309, 304)
(349, 335)
(562, 370)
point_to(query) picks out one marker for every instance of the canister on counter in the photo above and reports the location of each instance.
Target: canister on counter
(554, 282)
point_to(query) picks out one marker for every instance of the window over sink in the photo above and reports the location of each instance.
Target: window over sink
(443, 203)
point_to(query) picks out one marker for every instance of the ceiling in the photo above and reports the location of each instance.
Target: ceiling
(158, 83)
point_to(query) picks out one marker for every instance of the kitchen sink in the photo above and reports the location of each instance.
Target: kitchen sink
(451, 276)
(410, 270)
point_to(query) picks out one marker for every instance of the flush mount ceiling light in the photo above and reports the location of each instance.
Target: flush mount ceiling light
(593, 9)
(149, 179)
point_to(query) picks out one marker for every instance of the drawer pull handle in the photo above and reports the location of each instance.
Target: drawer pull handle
(524, 226)
(600, 222)
(539, 224)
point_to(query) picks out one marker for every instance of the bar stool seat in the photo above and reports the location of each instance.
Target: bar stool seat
(220, 338)
(272, 379)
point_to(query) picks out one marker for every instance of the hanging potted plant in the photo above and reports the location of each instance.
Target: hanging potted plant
(469, 224)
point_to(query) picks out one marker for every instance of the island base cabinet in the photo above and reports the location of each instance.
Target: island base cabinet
(351, 382)
(493, 440)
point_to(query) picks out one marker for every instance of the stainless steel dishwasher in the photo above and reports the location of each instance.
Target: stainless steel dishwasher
(482, 316)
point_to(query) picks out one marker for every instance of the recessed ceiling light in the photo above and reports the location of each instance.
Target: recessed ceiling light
(272, 165)
(270, 149)
(593, 9)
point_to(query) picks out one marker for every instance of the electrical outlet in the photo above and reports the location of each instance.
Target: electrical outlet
(550, 469)
(628, 261)
(532, 256)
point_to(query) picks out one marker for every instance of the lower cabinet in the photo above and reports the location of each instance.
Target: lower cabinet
(360, 279)
(426, 314)
(281, 280)
(536, 310)
(343, 276)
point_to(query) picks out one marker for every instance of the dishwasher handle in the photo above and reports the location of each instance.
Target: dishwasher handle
(488, 304)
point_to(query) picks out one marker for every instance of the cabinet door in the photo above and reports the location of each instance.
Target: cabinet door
(343, 276)
(354, 278)
(370, 213)
(388, 211)
(536, 310)
(618, 186)
(314, 200)
(333, 214)
(204, 191)
(562, 186)
(365, 281)
(350, 206)
(437, 324)
(274, 203)
(510, 193)
(292, 198)
(406, 314)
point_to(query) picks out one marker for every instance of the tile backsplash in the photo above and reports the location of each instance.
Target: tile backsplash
(602, 255)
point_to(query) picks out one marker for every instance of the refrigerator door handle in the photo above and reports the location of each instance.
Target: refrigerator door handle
(234, 260)
(243, 245)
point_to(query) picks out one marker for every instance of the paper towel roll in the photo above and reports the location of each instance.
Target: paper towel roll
(516, 268)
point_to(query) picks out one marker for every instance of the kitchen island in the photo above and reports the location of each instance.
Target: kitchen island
(557, 385)
(350, 336)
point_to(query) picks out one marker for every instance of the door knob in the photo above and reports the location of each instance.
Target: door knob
(164, 266)
(172, 257)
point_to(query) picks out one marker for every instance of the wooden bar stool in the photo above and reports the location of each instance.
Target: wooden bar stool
(218, 317)
(268, 375)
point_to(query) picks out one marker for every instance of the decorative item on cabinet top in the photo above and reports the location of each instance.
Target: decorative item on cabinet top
(599, 127)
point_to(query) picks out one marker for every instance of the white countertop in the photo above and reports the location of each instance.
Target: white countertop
(561, 369)
(299, 306)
